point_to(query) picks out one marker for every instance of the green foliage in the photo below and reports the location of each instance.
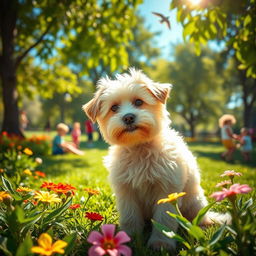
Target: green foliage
(197, 87)
(223, 240)
(233, 22)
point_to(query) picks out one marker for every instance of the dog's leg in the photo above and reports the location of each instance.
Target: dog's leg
(157, 239)
(131, 219)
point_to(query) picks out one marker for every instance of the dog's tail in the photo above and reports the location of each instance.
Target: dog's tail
(216, 218)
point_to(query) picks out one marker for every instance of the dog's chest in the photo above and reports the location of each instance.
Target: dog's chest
(143, 168)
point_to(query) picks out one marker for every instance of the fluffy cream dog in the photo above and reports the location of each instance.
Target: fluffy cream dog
(147, 160)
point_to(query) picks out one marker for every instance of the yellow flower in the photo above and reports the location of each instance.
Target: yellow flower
(172, 197)
(46, 197)
(23, 189)
(46, 247)
(28, 172)
(28, 151)
(4, 195)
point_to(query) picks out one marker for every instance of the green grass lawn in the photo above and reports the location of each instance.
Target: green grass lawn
(88, 171)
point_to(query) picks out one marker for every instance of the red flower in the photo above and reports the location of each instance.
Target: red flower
(48, 185)
(232, 191)
(61, 188)
(74, 206)
(41, 174)
(94, 216)
(4, 133)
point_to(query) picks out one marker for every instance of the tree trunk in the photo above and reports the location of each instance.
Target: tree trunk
(247, 115)
(8, 20)
(192, 129)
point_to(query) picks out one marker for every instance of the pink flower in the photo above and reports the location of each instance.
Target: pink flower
(223, 183)
(231, 173)
(233, 190)
(107, 243)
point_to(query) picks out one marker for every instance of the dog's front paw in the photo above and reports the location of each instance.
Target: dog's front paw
(166, 243)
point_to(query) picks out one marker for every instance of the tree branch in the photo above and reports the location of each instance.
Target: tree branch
(24, 54)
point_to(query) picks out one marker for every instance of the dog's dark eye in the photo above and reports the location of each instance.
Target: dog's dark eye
(138, 103)
(114, 108)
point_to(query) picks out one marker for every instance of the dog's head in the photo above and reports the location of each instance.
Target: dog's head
(130, 109)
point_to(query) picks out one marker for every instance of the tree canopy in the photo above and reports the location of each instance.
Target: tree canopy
(233, 22)
(197, 89)
(87, 32)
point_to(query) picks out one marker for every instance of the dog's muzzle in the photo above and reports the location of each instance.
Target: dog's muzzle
(129, 119)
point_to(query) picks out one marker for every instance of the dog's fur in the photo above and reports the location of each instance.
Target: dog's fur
(147, 161)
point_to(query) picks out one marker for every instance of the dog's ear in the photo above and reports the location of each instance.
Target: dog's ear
(92, 108)
(160, 91)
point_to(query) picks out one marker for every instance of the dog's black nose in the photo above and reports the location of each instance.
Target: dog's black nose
(129, 118)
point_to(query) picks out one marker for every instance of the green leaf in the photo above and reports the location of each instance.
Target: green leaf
(217, 235)
(213, 29)
(200, 249)
(247, 204)
(160, 226)
(196, 232)
(70, 239)
(201, 213)
(166, 231)
(181, 220)
(7, 185)
(188, 29)
(247, 20)
(57, 212)
(24, 248)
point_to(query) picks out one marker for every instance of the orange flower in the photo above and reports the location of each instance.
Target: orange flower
(46, 247)
(4, 195)
(91, 191)
(1, 170)
(23, 189)
(28, 151)
(40, 174)
(19, 147)
(74, 206)
(48, 185)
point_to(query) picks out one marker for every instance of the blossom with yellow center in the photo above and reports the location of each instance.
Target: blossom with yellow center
(172, 197)
(46, 197)
(46, 247)
(23, 189)
(27, 172)
(28, 151)
(4, 195)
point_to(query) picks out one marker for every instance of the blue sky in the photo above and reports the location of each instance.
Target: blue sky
(167, 37)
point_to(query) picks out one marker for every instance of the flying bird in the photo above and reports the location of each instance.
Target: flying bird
(164, 19)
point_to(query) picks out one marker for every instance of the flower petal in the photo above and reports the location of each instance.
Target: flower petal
(96, 250)
(40, 250)
(45, 241)
(113, 252)
(108, 230)
(124, 250)
(121, 237)
(95, 238)
(58, 246)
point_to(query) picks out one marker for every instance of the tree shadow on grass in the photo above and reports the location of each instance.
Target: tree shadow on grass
(216, 155)
(55, 165)
(100, 145)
